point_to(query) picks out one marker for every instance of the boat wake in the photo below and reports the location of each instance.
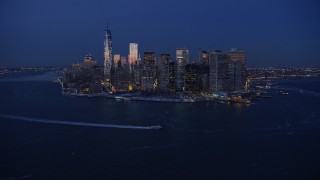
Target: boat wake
(153, 147)
(74, 123)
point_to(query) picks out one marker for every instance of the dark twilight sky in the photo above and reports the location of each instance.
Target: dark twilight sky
(60, 32)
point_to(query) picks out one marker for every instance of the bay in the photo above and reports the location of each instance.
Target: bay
(276, 138)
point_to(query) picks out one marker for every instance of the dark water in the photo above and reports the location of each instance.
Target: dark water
(275, 138)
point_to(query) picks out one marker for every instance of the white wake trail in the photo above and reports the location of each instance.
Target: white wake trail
(74, 123)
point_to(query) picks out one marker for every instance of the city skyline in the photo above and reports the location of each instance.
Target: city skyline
(56, 33)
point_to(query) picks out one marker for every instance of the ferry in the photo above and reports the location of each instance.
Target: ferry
(284, 92)
(122, 98)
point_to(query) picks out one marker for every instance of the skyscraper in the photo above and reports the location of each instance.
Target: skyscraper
(148, 72)
(164, 58)
(133, 60)
(192, 83)
(147, 78)
(182, 58)
(204, 77)
(218, 71)
(133, 53)
(116, 59)
(108, 61)
(180, 74)
(137, 76)
(139, 59)
(123, 60)
(149, 58)
(234, 72)
(163, 78)
(184, 54)
(172, 77)
(203, 57)
(89, 61)
(237, 59)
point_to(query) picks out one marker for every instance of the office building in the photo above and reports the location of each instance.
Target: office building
(88, 61)
(124, 60)
(163, 77)
(238, 56)
(204, 78)
(180, 68)
(116, 59)
(204, 57)
(184, 54)
(147, 78)
(218, 64)
(192, 83)
(108, 61)
(234, 72)
(133, 53)
(172, 77)
(149, 58)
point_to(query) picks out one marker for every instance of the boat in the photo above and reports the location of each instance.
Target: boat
(155, 127)
(122, 98)
(284, 92)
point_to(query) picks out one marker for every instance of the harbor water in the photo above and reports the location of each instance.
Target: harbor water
(46, 135)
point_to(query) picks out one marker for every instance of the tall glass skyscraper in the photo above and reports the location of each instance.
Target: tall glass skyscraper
(238, 69)
(116, 59)
(204, 57)
(184, 54)
(108, 61)
(163, 79)
(133, 58)
(218, 71)
(182, 58)
(149, 58)
(133, 53)
(180, 67)
(172, 77)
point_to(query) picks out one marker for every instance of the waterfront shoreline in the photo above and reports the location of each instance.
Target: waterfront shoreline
(132, 97)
